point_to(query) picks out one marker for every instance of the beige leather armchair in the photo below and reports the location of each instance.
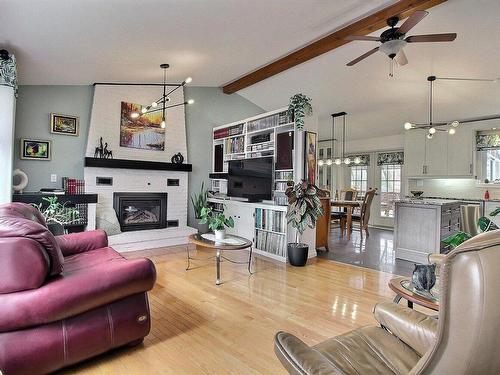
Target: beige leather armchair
(464, 340)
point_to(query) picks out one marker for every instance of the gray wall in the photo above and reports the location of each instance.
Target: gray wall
(212, 108)
(34, 105)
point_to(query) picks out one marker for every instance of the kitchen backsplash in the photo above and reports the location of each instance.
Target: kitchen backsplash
(452, 188)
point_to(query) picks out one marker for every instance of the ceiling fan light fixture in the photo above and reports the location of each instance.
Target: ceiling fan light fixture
(392, 47)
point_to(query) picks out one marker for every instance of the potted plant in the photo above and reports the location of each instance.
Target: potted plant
(199, 201)
(299, 107)
(216, 221)
(57, 215)
(304, 209)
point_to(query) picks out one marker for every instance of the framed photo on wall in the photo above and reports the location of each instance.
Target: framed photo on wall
(310, 161)
(33, 149)
(64, 124)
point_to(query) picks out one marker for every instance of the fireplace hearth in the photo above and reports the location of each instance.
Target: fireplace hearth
(141, 211)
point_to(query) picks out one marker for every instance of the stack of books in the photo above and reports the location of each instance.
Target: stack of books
(73, 186)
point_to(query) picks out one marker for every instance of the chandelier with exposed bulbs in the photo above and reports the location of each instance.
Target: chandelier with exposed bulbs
(162, 103)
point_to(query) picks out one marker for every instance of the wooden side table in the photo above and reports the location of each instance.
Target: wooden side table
(402, 287)
(219, 247)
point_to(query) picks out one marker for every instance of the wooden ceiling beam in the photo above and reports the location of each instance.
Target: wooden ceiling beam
(364, 26)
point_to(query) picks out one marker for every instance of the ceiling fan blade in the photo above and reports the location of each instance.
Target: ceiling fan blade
(364, 56)
(410, 23)
(363, 37)
(401, 58)
(450, 37)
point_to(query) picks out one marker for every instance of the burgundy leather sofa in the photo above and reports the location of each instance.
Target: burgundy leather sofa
(67, 298)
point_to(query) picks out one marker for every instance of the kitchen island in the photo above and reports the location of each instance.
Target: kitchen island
(421, 224)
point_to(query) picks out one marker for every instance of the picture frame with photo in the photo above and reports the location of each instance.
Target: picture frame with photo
(35, 149)
(64, 124)
(310, 156)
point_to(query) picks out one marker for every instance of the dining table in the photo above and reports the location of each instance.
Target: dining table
(349, 206)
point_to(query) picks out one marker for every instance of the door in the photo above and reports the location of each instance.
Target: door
(389, 181)
(415, 152)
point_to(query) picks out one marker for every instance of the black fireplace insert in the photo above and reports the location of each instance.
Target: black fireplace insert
(141, 211)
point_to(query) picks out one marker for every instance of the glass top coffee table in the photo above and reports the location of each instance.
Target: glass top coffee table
(404, 288)
(231, 243)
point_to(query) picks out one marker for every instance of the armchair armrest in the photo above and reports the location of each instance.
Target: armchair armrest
(300, 359)
(75, 243)
(415, 329)
(436, 258)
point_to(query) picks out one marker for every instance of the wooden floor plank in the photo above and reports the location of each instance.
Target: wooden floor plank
(201, 328)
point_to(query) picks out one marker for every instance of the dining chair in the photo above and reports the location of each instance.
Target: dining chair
(364, 216)
(349, 194)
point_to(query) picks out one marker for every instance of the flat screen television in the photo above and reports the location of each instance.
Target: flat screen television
(251, 178)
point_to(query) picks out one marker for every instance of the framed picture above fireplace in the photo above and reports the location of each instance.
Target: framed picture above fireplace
(144, 132)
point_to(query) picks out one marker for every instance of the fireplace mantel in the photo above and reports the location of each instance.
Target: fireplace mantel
(136, 164)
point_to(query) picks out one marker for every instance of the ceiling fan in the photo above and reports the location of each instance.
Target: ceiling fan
(394, 39)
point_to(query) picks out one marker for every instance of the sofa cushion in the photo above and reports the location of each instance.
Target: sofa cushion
(89, 280)
(22, 210)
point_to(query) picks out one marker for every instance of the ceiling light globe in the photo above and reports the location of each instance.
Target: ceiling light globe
(154, 104)
(455, 123)
(190, 101)
(329, 162)
(408, 125)
(320, 163)
(163, 124)
(432, 130)
(357, 160)
(134, 115)
(188, 80)
(338, 161)
(429, 136)
(144, 109)
(452, 131)
(347, 161)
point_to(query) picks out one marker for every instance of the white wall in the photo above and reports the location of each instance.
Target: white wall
(7, 111)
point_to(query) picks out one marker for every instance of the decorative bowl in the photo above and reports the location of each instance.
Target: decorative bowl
(416, 193)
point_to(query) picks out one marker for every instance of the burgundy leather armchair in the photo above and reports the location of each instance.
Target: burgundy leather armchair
(65, 299)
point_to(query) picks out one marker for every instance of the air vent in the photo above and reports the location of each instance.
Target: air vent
(104, 181)
(172, 182)
(172, 223)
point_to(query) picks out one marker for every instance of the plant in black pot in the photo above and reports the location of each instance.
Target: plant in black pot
(57, 215)
(304, 209)
(199, 201)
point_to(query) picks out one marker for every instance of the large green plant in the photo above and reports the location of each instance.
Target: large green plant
(199, 201)
(304, 206)
(55, 212)
(215, 220)
(299, 107)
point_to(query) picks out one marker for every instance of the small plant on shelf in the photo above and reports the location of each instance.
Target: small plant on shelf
(199, 201)
(217, 222)
(57, 214)
(299, 108)
(304, 209)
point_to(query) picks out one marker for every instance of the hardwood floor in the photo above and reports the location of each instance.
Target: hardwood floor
(201, 328)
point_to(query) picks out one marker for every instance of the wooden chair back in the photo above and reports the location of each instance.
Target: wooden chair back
(348, 194)
(366, 207)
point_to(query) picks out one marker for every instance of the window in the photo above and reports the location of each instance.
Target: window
(359, 179)
(390, 188)
(493, 165)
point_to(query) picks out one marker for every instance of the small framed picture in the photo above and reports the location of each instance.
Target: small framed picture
(310, 156)
(33, 149)
(64, 124)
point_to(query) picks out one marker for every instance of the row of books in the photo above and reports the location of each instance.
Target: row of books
(270, 220)
(234, 145)
(281, 186)
(228, 132)
(259, 154)
(261, 146)
(284, 175)
(280, 199)
(73, 186)
(268, 122)
(273, 243)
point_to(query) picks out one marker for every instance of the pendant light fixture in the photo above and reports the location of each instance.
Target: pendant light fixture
(162, 103)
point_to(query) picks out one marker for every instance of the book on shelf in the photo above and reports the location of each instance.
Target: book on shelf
(73, 186)
(270, 220)
(268, 122)
(280, 199)
(281, 185)
(273, 243)
(235, 145)
(229, 131)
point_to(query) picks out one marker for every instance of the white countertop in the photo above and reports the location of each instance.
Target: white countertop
(428, 201)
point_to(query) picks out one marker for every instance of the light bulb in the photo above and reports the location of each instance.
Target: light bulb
(347, 161)
(188, 80)
(320, 163)
(163, 124)
(455, 123)
(357, 160)
(190, 101)
(432, 130)
(134, 115)
(429, 136)
(154, 104)
(167, 99)
(329, 162)
(408, 125)
(338, 161)
(452, 131)
(144, 110)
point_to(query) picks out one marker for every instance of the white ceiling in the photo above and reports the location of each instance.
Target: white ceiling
(215, 41)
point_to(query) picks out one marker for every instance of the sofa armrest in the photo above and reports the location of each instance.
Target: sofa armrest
(415, 329)
(75, 243)
(300, 359)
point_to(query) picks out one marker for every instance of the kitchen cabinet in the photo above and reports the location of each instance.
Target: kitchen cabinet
(442, 156)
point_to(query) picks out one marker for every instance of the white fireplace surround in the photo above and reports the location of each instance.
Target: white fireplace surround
(105, 123)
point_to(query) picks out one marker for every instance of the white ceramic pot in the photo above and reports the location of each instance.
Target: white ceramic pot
(220, 234)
